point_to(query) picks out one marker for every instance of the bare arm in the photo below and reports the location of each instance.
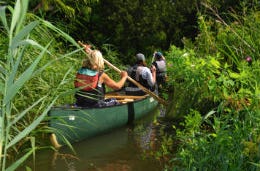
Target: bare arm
(153, 71)
(111, 83)
(86, 46)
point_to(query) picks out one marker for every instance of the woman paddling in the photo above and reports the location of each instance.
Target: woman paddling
(91, 78)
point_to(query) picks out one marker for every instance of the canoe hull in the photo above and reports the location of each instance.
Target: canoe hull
(76, 124)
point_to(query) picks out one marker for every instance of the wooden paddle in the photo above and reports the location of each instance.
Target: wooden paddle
(160, 100)
(124, 96)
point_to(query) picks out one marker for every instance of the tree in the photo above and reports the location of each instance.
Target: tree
(141, 26)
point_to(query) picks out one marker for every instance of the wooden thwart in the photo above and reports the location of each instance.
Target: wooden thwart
(125, 100)
(124, 96)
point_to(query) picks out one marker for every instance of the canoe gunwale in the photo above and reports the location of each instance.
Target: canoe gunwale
(132, 112)
(74, 107)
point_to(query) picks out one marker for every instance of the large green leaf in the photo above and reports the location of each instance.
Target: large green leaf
(2, 86)
(30, 127)
(15, 17)
(23, 113)
(3, 18)
(2, 73)
(1, 125)
(12, 89)
(60, 32)
(24, 6)
(33, 43)
(56, 59)
(18, 16)
(22, 34)
(16, 164)
(12, 75)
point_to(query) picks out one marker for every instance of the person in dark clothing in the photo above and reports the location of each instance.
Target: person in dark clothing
(143, 75)
(160, 64)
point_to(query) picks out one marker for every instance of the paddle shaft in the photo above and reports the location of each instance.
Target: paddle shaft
(138, 84)
(124, 96)
(133, 81)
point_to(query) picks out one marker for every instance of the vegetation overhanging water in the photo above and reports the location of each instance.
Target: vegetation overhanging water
(215, 88)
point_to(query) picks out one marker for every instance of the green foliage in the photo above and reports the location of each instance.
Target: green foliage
(229, 102)
(135, 26)
(70, 16)
(25, 95)
(219, 148)
(59, 7)
(193, 81)
(216, 91)
(236, 38)
(216, 69)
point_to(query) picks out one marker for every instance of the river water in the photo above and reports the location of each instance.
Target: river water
(119, 150)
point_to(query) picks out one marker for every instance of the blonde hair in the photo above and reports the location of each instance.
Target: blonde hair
(95, 58)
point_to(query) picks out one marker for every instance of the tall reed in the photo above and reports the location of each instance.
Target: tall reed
(14, 77)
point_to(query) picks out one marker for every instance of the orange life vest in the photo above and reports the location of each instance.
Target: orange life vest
(86, 82)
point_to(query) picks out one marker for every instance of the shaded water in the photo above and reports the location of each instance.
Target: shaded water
(119, 150)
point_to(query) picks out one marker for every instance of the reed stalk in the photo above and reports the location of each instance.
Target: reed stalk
(14, 77)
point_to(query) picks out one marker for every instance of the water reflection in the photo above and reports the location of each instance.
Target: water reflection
(119, 150)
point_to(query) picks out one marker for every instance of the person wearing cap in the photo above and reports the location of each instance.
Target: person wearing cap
(91, 80)
(143, 75)
(160, 64)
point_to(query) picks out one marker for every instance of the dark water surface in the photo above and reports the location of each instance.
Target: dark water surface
(119, 150)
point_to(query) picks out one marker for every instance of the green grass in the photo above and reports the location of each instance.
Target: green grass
(26, 91)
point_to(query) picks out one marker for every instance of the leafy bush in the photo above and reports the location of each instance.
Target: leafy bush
(217, 93)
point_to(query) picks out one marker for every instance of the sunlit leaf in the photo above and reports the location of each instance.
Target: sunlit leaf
(3, 18)
(28, 168)
(2, 86)
(234, 75)
(32, 43)
(229, 82)
(23, 12)
(60, 32)
(12, 75)
(23, 33)
(25, 76)
(209, 114)
(15, 16)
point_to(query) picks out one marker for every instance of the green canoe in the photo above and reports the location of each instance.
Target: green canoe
(75, 124)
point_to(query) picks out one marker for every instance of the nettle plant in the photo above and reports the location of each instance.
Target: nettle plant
(205, 83)
(220, 107)
(194, 81)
